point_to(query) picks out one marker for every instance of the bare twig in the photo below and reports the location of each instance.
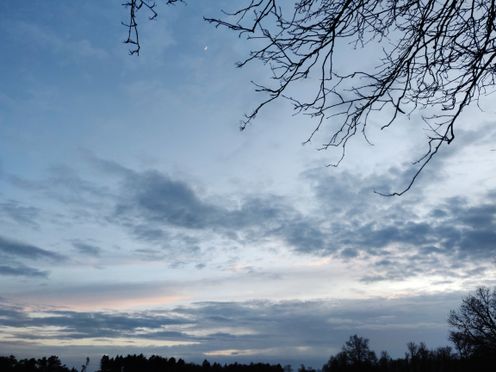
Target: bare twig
(441, 59)
(133, 31)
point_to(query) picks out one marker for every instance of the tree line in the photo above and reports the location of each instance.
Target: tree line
(355, 356)
(133, 363)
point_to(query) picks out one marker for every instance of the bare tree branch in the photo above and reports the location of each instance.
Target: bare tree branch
(438, 57)
(132, 26)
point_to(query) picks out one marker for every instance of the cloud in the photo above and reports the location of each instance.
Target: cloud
(22, 270)
(397, 238)
(87, 249)
(11, 248)
(77, 325)
(152, 204)
(158, 198)
(404, 237)
(19, 213)
(306, 235)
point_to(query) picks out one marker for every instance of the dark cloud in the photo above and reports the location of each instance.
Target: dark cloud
(158, 198)
(87, 249)
(470, 229)
(145, 232)
(12, 248)
(305, 235)
(75, 325)
(22, 270)
(153, 204)
(13, 253)
(19, 213)
(402, 237)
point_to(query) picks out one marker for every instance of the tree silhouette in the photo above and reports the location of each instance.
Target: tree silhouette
(134, 7)
(355, 355)
(474, 324)
(50, 364)
(436, 58)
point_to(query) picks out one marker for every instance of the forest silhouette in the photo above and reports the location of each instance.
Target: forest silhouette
(354, 357)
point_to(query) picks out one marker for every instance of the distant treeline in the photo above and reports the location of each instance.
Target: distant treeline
(131, 363)
(136, 363)
(52, 364)
(355, 356)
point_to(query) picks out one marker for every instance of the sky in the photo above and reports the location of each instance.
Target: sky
(135, 217)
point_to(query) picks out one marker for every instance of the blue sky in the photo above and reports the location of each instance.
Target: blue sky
(136, 217)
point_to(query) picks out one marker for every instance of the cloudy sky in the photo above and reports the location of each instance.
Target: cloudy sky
(136, 217)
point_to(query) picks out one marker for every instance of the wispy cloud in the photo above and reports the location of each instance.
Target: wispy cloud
(15, 249)
(87, 249)
(22, 270)
(19, 213)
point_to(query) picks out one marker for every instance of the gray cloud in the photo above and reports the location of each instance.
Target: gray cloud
(306, 235)
(22, 270)
(400, 239)
(152, 204)
(158, 198)
(87, 249)
(14, 253)
(77, 325)
(11, 248)
(21, 214)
